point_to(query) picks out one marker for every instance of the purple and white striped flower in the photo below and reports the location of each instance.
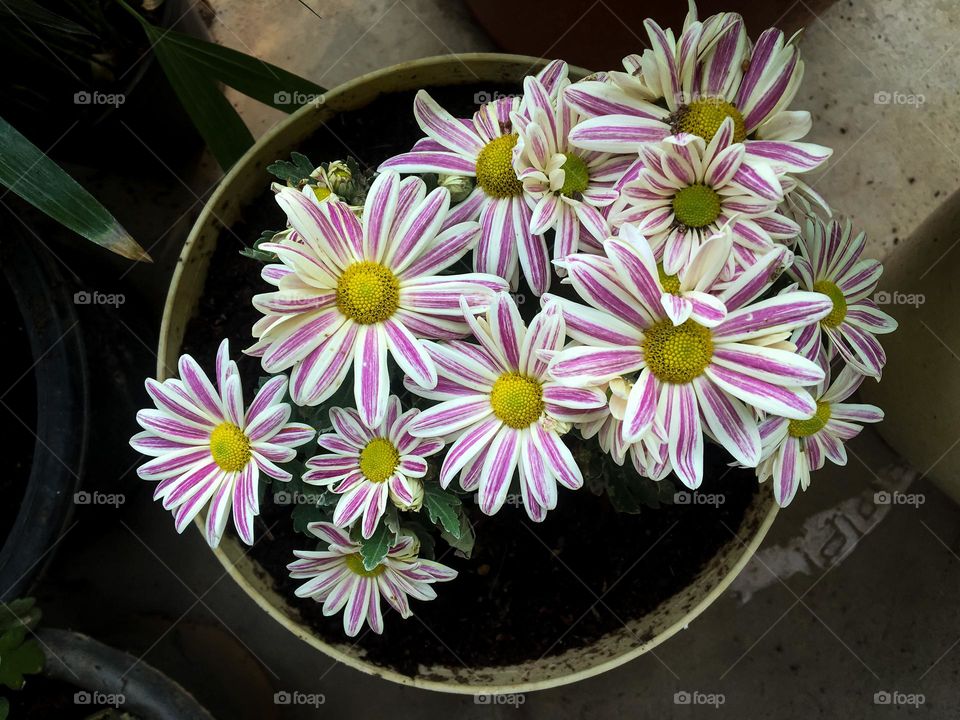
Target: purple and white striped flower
(350, 294)
(691, 84)
(569, 187)
(337, 578)
(687, 189)
(482, 148)
(829, 262)
(792, 449)
(503, 410)
(207, 448)
(693, 379)
(369, 465)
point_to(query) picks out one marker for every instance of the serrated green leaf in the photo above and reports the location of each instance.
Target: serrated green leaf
(26, 659)
(29, 173)
(465, 538)
(374, 549)
(442, 507)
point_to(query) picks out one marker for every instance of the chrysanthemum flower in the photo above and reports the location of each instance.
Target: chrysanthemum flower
(368, 465)
(337, 578)
(570, 187)
(792, 449)
(829, 262)
(687, 189)
(348, 294)
(504, 410)
(483, 148)
(207, 448)
(693, 378)
(691, 84)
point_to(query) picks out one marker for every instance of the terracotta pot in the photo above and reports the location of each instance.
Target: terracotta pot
(920, 394)
(240, 187)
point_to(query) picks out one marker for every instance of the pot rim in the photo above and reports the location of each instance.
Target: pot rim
(207, 217)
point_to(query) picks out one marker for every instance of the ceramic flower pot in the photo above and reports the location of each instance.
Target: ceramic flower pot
(920, 287)
(239, 188)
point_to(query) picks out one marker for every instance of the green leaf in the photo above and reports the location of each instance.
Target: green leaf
(442, 507)
(4, 708)
(374, 550)
(20, 612)
(427, 543)
(25, 658)
(465, 539)
(295, 171)
(42, 183)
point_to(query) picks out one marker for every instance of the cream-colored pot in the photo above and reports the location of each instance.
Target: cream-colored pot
(241, 185)
(920, 392)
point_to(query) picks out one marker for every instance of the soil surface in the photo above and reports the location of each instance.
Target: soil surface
(529, 590)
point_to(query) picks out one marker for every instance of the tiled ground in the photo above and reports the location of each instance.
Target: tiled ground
(847, 598)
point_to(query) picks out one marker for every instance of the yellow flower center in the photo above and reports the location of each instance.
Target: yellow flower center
(696, 205)
(517, 400)
(229, 447)
(495, 173)
(810, 426)
(576, 177)
(677, 353)
(835, 294)
(670, 283)
(378, 460)
(704, 117)
(321, 193)
(354, 563)
(368, 292)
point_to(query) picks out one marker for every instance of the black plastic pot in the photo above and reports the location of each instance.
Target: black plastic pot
(103, 672)
(59, 433)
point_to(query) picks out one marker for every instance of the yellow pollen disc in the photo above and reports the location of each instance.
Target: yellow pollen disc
(705, 116)
(378, 460)
(354, 563)
(229, 447)
(670, 283)
(696, 205)
(810, 426)
(321, 193)
(368, 292)
(835, 294)
(677, 353)
(495, 173)
(576, 177)
(517, 400)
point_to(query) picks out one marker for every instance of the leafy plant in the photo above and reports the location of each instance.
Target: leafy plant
(19, 654)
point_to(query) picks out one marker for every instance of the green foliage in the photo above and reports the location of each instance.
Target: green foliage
(627, 490)
(443, 507)
(374, 549)
(296, 171)
(256, 253)
(19, 654)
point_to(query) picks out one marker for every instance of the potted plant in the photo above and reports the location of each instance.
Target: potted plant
(544, 438)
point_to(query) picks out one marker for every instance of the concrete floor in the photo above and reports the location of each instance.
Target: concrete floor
(847, 599)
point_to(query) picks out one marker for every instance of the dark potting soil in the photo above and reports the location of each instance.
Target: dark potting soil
(18, 410)
(529, 590)
(44, 698)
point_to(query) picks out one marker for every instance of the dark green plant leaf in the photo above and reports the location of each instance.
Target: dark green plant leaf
(295, 171)
(443, 507)
(4, 709)
(18, 657)
(427, 542)
(374, 550)
(19, 612)
(464, 539)
(262, 255)
(42, 183)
